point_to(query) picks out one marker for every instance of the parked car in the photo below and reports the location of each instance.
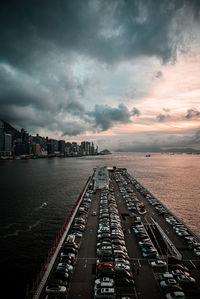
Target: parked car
(104, 293)
(166, 275)
(121, 266)
(179, 272)
(175, 295)
(55, 289)
(159, 264)
(178, 267)
(168, 282)
(124, 282)
(172, 288)
(184, 279)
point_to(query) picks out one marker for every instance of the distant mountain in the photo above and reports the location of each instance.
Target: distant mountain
(105, 152)
(181, 150)
(159, 150)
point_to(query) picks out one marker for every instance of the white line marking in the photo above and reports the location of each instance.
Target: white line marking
(193, 264)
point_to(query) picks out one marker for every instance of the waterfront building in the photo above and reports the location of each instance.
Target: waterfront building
(36, 149)
(85, 147)
(22, 143)
(19, 149)
(8, 143)
(1, 136)
(61, 146)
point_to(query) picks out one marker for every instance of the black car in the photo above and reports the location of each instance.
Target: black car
(121, 255)
(178, 267)
(67, 261)
(58, 282)
(62, 275)
(71, 245)
(172, 288)
(117, 237)
(125, 274)
(141, 236)
(104, 253)
(103, 259)
(105, 271)
(103, 236)
(124, 282)
(67, 249)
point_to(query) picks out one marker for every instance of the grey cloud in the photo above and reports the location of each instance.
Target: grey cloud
(192, 113)
(196, 138)
(107, 30)
(154, 141)
(105, 117)
(73, 128)
(162, 117)
(74, 108)
(40, 40)
(158, 74)
(135, 112)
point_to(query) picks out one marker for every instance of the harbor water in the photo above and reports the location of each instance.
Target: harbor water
(37, 195)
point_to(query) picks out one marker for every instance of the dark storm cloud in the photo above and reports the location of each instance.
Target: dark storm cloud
(73, 128)
(105, 117)
(192, 113)
(107, 30)
(38, 38)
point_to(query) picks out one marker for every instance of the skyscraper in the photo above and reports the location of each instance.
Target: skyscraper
(7, 143)
(1, 136)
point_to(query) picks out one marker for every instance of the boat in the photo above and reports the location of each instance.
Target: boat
(104, 250)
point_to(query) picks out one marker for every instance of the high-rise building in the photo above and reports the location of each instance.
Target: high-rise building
(85, 147)
(1, 136)
(92, 150)
(61, 146)
(8, 142)
(36, 149)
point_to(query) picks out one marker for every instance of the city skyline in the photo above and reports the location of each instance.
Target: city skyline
(124, 74)
(15, 143)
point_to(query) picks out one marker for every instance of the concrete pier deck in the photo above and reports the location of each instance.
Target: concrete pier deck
(147, 285)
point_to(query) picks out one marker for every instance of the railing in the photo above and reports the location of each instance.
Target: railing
(42, 276)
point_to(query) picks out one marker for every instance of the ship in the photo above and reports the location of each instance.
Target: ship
(107, 250)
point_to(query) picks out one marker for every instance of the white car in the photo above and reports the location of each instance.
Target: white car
(103, 283)
(55, 289)
(104, 279)
(168, 282)
(159, 264)
(122, 261)
(122, 266)
(175, 295)
(104, 293)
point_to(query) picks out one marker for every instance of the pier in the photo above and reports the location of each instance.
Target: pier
(113, 229)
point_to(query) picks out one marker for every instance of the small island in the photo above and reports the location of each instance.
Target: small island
(105, 152)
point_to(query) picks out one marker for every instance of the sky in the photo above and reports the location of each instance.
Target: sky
(122, 73)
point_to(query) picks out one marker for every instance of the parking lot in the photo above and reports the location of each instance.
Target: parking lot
(119, 252)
